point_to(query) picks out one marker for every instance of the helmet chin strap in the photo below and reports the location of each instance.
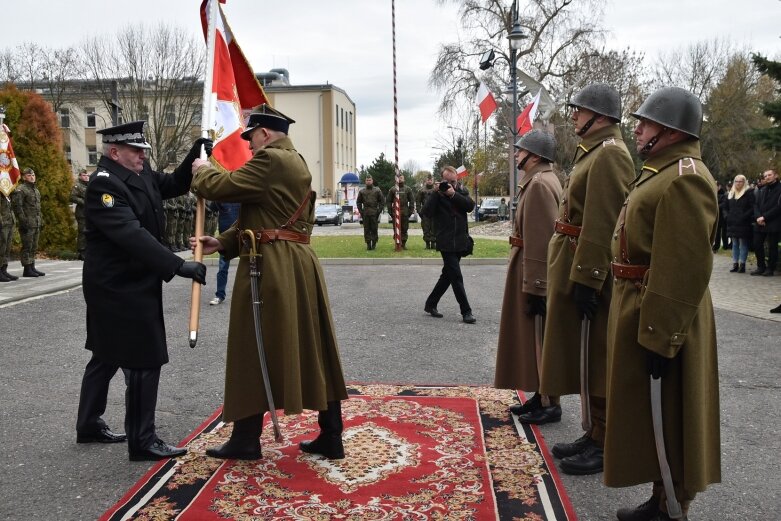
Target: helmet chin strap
(523, 161)
(651, 143)
(588, 125)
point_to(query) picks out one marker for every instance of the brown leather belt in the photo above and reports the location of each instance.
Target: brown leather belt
(568, 229)
(629, 271)
(516, 241)
(277, 234)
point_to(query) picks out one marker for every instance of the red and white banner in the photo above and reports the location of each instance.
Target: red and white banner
(526, 120)
(235, 91)
(461, 172)
(9, 168)
(486, 102)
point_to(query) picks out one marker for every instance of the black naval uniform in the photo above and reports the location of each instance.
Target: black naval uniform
(125, 266)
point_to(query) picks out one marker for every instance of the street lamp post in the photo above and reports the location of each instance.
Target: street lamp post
(516, 38)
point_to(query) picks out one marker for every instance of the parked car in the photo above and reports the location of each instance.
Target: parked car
(329, 214)
(488, 210)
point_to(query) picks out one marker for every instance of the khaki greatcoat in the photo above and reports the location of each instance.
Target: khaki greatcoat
(538, 203)
(593, 193)
(670, 225)
(298, 330)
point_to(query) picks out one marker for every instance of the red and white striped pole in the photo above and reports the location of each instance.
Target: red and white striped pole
(396, 201)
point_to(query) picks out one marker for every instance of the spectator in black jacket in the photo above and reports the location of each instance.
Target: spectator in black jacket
(721, 230)
(738, 211)
(767, 215)
(448, 207)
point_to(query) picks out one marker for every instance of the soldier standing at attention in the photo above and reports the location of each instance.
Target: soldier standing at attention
(77, 198)
(407, 207)
(370, 203)
(6, 237)
(304, 370)
(427, 223)
(517, 365)
(169, 206)
(26, 200)
(578, 272)
(661, 327)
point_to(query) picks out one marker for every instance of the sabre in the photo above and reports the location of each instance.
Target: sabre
(538, 329)
(585, 402)
(254, 276)
(673, 506)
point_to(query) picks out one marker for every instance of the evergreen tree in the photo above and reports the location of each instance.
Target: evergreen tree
(37, 142)
(770, 137)
(382, 171)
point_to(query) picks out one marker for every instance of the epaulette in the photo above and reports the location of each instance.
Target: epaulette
(686, 165)
(609, 141)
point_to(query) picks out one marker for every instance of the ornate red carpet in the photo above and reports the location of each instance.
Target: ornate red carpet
(412, 453)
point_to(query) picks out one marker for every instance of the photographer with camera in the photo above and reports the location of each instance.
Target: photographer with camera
(448, 207)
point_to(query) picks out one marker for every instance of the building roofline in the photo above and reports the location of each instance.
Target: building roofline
(308, 88)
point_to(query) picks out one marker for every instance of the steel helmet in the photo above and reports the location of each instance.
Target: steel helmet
(600, 98)
(675, 108)
(539, 143)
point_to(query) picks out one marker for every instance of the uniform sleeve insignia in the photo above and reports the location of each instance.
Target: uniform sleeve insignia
(686, 164)
(107, 200)
(611, 141)
(102, 174)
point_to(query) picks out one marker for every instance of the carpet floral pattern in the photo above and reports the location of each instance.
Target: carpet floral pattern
(412, 453)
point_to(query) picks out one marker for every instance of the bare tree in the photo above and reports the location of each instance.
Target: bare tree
(697, 68)
(9, 69)
(156, 75)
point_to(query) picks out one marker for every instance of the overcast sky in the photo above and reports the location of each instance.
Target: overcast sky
(348, 43)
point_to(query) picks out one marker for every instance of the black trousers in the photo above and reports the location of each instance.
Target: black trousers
(140, 401)
(721, 233)
(451, 276)
(772, 245)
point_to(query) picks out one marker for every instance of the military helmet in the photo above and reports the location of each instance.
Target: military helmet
(675, 108)
(539, 143)
(600, 98)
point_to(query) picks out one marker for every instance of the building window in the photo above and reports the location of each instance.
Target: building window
(65, 118)
(68, 153)
(172, 157)
(342, 118)
(92, 155)
(170, 116)
(90, 117)
(143, 113)
(196, 115)
(337, 115)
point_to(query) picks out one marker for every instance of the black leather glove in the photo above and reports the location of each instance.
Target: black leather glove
(657, 364)
(195, 150)
(193, 270)
(536, 305)
(586, 300)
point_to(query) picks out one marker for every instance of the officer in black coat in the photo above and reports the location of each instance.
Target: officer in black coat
(448, 207)
(122, 283)
(767, 219)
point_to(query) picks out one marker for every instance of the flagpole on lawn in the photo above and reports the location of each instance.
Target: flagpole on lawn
(396, 216)
(200, 207)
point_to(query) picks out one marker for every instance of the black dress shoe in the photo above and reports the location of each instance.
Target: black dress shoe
(157, 451)
(776, 309)
(768, 273)
(329, 446)
(758, 271)
(469, 318)
(433, 312)
(565, 450)
(587, 462)
(104, 435)
(248, 450)
(532, 404)
(542, 415)
(644, 512)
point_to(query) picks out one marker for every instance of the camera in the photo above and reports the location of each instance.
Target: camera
(443, 186)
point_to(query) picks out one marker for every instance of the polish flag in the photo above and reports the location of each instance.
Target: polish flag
(486, 102)
(235, 91)
(9, 168)
(526, 119)
(461, 172)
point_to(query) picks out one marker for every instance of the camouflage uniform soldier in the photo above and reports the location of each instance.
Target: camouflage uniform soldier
(6, 236)
(189, 219)
(370, 203)
(170, 223)
(178, 234)
(210, 226)
(26, 201)
(429, 233)
(77, 198)
(407, 204)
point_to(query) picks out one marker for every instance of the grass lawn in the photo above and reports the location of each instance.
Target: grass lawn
(353, 246)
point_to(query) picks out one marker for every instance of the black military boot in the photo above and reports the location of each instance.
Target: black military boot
(4, 271)
(533, 403)
(329, 442)
(403, 245)
(541, 416)
(565, 450)
(29, 271)
(742, 268)
(368, 245)
(587, 462)
(644, 512)
(4, 278)
(734, 268)
(244, 442)
(39, 272)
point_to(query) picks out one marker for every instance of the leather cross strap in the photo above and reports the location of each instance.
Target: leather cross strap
(278, 234)
(568, 229)
(629, 271)
(516, 241)
(293, 218)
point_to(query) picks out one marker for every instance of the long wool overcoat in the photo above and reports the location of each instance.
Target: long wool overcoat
(298, 330)
(538, 205)
(592, 198)
(127, 263)
(670, 224)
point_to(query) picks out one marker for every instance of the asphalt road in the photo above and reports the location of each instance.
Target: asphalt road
(384, 337)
